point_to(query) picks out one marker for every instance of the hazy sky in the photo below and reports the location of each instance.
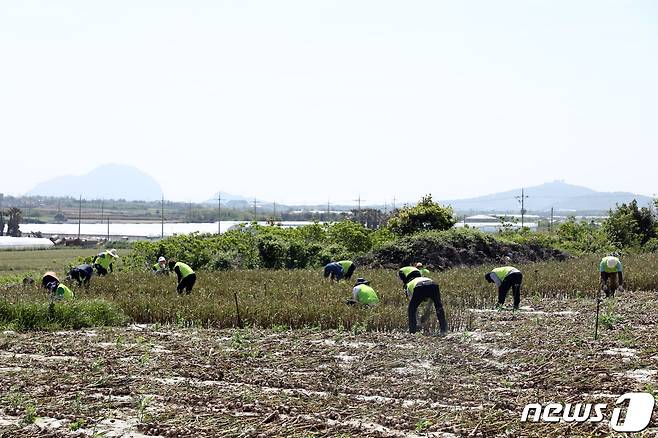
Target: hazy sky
(300, 101)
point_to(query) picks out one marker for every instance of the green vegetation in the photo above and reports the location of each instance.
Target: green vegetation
(298, 298)
(29, 311)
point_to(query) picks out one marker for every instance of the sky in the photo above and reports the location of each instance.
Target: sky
(308, 101)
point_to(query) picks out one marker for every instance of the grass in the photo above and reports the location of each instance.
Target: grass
(301, 298)
(20, 263)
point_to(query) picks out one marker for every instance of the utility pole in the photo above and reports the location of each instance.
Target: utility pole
(274, 210)
(219, 213)
(521, 199)
(358, 200)
(79, 216)
(102, 200)
(385, 208)
(190, 212)
(255, 212)
(108, 227)
(550, 224)
(393, 203)
(162, 219)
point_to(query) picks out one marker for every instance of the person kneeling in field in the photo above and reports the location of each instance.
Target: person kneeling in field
(57, 290)
(185, 276)
(363, 293)
(506, 277)
(419, 289)
(339, 270)
(160, 268)
(82, 274)
(611, 275)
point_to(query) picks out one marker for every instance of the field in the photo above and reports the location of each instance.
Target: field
(18, 263)
(305, 364)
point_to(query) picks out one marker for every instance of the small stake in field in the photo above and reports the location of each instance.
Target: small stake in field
(237, 309)
(598, 308)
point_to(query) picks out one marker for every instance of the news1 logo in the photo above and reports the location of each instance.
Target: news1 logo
(637, 418)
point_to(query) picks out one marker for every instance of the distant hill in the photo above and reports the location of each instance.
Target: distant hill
(556, 194)
(110, 181)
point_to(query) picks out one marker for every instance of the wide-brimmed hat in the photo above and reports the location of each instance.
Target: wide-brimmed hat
(113, 253)
(362, 281)
(419, 265)
(50, 274)
(611, 263)
(161, 259)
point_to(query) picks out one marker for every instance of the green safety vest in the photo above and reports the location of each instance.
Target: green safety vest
(345, 264)
(424, 272)
(603, 266)
(184, 269)
(104, 259)
(408, 270)
(413, 283)
(504, 271)
(367, 295)
(63, 293)
(157, 267)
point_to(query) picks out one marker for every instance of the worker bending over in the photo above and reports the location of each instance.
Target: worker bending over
(82, 274)
(612, 277)
(185, 276)
(339, 270)
(58, 291)
(104, 262)
(363, 293)
(506, 277)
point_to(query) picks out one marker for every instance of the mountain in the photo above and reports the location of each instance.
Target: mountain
(110, 181)
(556, 194)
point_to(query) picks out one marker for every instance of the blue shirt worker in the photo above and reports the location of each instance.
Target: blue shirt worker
(363, 293)
(339, 270)
(82, 274)
(419, 289)
(506, 278)
(612, 277)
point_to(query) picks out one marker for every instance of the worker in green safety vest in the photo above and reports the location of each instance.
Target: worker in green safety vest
(339, 270)
(363, 293)
(58, 291)
(408, 273)
(104, 261)
(160, 268)
(612, 277)
(184, 274)
(506, 278)
(423, 270)
(419, 289)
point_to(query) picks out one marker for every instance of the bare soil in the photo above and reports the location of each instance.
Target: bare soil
(172, 381)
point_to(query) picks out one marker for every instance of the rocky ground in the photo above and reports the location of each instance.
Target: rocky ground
(173, 381)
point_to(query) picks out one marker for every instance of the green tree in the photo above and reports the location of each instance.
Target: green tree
(14, 222)
(353, 236)
(424, 216)
(630, 226)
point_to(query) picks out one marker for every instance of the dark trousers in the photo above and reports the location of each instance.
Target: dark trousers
(422, 292)
(610, 281)
(187, 283)
(512, 281)
(100, 270)
(350, 271)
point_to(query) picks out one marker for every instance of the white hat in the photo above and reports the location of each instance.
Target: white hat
(612, 262)
(161, 259)
(113, 252)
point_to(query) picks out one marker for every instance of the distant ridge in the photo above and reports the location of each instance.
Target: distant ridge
(556, 194)
(110, 181)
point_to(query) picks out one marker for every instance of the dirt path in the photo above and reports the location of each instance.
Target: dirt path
(169, 381)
